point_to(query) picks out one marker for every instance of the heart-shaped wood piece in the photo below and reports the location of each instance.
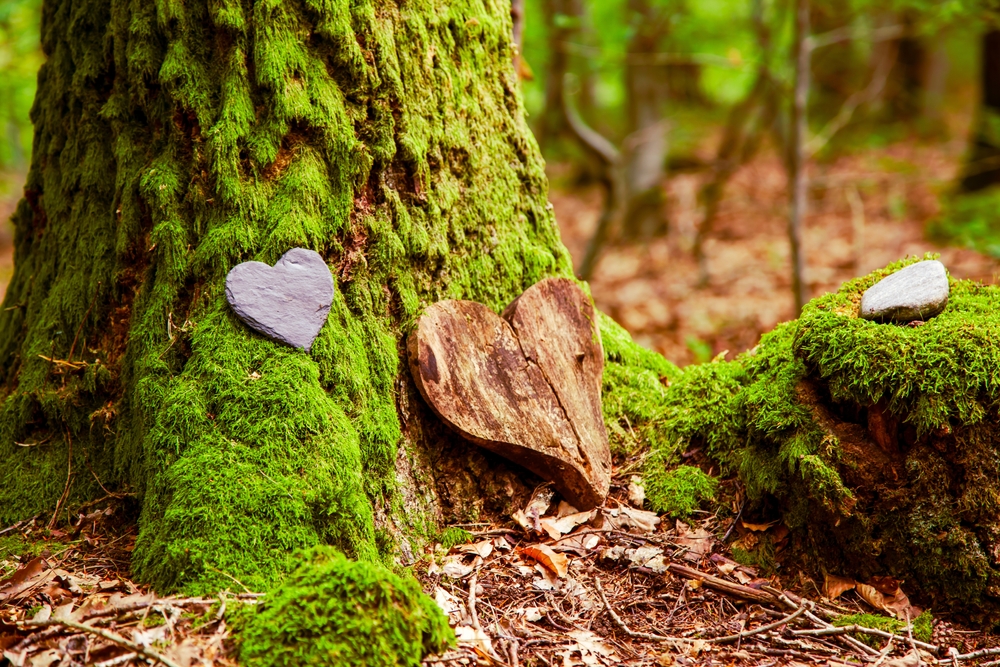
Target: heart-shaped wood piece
(526, 385)
(289, 301)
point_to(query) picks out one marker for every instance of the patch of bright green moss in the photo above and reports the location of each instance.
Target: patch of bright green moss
(333, 611)
(923, 626)
(452, 536)
(678, 491)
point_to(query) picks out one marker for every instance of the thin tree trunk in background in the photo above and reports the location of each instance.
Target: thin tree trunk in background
(517, 32)
(796, 153)
(553, 122)
(982, 168)
(645, 148)
(904, 91)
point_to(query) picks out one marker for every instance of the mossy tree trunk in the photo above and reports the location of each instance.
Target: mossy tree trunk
(174, 140)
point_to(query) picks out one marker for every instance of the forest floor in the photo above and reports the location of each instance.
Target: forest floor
(617, 586)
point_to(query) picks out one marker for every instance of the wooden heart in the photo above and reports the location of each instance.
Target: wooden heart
(526, 385)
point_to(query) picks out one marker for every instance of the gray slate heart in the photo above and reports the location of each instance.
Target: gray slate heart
(288, 302)
(916, 292)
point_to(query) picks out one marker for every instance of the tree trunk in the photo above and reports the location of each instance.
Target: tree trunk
(645, 148)
(982, 167)
(797, 156)
(172, 142)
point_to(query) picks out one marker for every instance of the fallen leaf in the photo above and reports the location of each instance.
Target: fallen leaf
(636, 492)
(899, 606)
(697, 542)
(625, 517)
(742, 577)
(531, 614)
(591, 645)
(455, 567)
(565, 509)
(482, 549)
(501, 543)
(43, 614)
(911, 659)
(834, 586)
(448, 603)
(643, 555)
(581, 542)
(556, 562)
(885, 585)
(557, 527)
(870, 595)
(758, 527)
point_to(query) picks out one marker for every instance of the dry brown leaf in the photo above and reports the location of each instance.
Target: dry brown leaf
(698, 542)
(758, 527)
(581, 542)
(742, 577)
(565, 509)
(899, 606)
(625, 517)
(555, 562)
(557, 527)
(834, 586)
(870, 595)
(482, 549)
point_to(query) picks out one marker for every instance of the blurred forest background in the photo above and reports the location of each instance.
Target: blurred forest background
(714, 163)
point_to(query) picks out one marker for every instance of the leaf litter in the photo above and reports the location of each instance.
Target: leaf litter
(613, 586)
(618, 586)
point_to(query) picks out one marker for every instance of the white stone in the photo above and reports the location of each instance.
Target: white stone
(916, 292)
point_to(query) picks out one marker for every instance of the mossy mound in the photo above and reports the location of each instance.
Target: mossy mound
(880, 443)
(334, 611)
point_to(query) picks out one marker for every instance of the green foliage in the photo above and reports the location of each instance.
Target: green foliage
(452, 536)
(175, 140)
(333, 611)
(971, 220)
(20, 57)
(922, 626)
(678, 491)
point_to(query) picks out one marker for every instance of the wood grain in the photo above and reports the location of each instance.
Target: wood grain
(526, 385)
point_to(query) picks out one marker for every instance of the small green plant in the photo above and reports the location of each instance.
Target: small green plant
(452, 536)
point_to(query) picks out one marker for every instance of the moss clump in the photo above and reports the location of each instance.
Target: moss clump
(878, 442)
(923, 626)
(452, 536)
(333, 611)
(678, 491)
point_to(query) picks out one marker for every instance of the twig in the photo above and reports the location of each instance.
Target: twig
(719, 584)
(851, 641)
(976, 654)
(764, 628)
(17, 526)
(627, 630)
(849, 629)
(473, 578)
(104, 634)
(72, 348)
(69, 478)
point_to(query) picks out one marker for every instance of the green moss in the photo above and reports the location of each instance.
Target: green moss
(332, 611)
(452, 536)
(678, 491)
(922, 626)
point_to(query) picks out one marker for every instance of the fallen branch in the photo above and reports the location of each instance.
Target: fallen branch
(850, 629)
(719, 584)
(103, 634)
(729, 639)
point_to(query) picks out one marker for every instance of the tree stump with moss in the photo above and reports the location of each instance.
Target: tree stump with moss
(877, 444)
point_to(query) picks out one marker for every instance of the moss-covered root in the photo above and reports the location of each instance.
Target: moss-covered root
(334, 611)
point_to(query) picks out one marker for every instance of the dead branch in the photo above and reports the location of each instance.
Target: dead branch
(850, 629)
(104, 634)
(721, 585)
(729, 639)
(624, 627)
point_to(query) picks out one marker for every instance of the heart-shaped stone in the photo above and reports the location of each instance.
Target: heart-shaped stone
(288, 302)
(526, 385)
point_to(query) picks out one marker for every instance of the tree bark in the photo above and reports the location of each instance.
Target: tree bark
(982, 167)
(173, 142)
